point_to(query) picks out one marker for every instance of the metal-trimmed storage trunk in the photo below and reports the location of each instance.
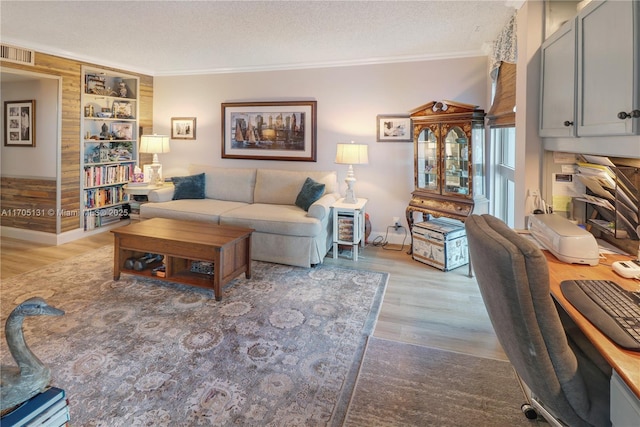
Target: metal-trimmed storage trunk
(440, 243)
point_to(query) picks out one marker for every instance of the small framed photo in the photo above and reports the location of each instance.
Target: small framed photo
(183, 128)
(394, 128)
(20, 123)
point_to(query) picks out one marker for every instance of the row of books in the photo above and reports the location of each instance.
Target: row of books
(99, 197)
(105, 175)
(49, 408)
(613, 193)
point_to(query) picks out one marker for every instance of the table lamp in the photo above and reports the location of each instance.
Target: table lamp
(155, 144)
(351, 154)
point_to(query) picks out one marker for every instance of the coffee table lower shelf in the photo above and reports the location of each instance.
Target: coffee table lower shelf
(178, 270)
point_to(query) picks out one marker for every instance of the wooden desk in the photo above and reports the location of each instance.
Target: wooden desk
(625, 363)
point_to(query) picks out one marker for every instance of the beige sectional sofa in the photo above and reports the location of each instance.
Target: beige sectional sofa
(262, 199)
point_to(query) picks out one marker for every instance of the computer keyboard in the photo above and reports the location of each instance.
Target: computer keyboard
(612, 309)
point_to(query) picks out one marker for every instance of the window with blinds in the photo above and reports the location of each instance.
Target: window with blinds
(502, 112)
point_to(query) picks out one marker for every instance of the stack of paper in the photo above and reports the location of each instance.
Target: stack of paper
(613, 196)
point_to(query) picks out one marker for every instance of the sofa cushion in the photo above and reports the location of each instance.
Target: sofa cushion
(311, 191)
(288, 220)
(281, 187)
(206, 210)
(232, 184)
(188, 187)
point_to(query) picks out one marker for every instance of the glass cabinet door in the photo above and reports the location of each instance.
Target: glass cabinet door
(456, 161)
(427, 160)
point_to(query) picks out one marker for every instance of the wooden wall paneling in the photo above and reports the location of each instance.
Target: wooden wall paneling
(29, 203)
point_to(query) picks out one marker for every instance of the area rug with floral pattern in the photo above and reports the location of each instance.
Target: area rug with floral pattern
(280, 349)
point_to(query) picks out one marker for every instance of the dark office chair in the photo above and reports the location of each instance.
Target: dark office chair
(565, 377)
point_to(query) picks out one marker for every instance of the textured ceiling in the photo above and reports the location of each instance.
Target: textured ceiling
(195, 37)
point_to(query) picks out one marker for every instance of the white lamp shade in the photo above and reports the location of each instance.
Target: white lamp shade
(154, 144)
(352, 154)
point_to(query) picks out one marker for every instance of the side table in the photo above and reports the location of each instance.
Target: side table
(348, 225)
(139, 195)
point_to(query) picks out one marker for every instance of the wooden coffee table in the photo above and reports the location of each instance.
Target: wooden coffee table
(182, 243)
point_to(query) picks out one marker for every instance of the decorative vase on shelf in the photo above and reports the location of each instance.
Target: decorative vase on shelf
(122, 89)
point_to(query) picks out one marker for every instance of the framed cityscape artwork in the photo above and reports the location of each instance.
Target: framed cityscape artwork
(269, 130)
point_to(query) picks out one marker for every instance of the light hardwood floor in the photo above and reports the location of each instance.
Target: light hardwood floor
(422, 305)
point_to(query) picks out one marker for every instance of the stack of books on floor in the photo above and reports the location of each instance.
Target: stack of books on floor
(49, 408)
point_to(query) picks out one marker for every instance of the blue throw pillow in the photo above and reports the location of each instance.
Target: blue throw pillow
(188, 187)
(311, 191)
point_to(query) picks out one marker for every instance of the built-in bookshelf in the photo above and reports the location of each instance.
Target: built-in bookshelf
(109, 135)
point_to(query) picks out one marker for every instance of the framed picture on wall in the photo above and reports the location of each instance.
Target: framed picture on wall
(19, 123)
(394, 128)
(183, 128)
(279, 130)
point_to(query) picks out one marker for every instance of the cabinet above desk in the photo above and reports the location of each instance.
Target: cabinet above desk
(591, 73)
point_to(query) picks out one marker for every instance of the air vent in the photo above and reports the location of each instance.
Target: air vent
(16, 54)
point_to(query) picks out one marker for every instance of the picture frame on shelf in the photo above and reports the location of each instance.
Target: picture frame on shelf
(92, 153)
(279, 130)
(183, 128)
(394, 128)
(20, 123)
(122, 110)
(122, 131)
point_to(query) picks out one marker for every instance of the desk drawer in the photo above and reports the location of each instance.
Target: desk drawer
(625, 406)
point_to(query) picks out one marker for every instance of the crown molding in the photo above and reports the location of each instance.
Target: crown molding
(252, 69)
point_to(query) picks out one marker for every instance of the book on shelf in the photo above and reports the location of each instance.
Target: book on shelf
(159, 271)
(32, 408)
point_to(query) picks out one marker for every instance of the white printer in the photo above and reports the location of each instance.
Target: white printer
(568, 242)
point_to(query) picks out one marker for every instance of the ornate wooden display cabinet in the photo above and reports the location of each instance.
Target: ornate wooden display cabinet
(448, 140)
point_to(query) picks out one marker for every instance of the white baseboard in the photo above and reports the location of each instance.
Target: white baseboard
(392, 236)
(41, 236)
(54, 239)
